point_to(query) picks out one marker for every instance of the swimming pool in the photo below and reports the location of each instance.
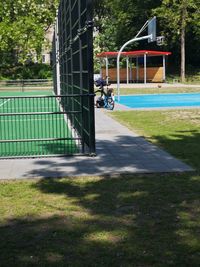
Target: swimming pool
(161, 100)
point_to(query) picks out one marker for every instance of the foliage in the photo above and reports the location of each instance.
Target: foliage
(176, 17)
(128, 17)
(171, 15)
(125, 18)
(104, 41)
(23, 24)
(31, 71)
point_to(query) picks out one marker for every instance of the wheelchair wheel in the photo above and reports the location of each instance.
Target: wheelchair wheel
(111, 104)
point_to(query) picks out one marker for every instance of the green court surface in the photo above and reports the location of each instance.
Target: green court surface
(25, 93)
(26, 132)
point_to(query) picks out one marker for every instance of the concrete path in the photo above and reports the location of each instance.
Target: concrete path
(118, 151)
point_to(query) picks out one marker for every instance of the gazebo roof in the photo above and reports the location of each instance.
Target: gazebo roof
(134, 54)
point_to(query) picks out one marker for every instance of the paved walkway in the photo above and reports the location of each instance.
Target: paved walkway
(118, 151)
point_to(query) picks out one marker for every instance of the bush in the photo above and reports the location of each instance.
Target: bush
(31, 71)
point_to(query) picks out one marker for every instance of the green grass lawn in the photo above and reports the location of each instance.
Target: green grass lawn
(156, 90)
(135, 220)
(126, 221)
(177, 131)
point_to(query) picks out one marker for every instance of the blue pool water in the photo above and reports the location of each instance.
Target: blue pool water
(161, 100)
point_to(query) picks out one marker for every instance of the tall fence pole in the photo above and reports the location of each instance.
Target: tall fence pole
(57, 57)
(91, 76)
(74, 57)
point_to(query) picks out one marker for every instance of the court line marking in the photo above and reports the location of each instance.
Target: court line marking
(4, 102)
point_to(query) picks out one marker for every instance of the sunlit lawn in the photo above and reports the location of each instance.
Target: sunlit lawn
(135, 220)
(158, 90)
(126, 221)
(177, 131)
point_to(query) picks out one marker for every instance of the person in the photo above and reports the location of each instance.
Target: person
(100, 99)
(100, 102)
(110, 93)
(104, 95)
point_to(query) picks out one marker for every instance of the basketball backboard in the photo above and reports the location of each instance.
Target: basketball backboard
(152, 30)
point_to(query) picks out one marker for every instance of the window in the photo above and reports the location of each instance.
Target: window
(43, 59)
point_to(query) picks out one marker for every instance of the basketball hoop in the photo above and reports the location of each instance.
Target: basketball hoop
(160, 40)
(152, 30)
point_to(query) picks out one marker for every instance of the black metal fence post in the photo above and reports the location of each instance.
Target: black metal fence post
(75, 27)
(91, 75)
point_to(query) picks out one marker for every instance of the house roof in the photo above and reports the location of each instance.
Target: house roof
(133, 53)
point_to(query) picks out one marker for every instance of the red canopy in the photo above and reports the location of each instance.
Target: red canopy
(134, 53)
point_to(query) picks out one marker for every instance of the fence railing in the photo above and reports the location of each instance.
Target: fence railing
(26, 84)
(72, 58)
(41, 126)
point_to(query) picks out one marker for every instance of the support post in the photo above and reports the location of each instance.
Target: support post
(101, 68)
(57, 58)
(107, 69)
(145, 68)
(118, 59)
(137, 70)
(131, 71)
(127, 70)
(164, 69)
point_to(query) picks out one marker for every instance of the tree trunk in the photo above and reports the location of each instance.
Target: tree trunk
(183, 45)
(183, 55)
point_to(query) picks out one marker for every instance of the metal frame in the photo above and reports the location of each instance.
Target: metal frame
(118, 60)
(72, 57)
(37, 126)
(75, 35)
(151, 24)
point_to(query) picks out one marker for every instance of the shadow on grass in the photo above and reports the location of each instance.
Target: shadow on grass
(184, 145)
(126, 221)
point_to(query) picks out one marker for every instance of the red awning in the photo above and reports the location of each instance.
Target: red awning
(134, 53)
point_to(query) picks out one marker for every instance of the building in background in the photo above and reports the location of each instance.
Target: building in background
(46, 51)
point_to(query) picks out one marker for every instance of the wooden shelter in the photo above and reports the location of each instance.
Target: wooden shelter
(136, 73)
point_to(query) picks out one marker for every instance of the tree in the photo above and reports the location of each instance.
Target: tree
(127, 17)
(177, 20)
(104, 37)
(176, 17)
(23, 24)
